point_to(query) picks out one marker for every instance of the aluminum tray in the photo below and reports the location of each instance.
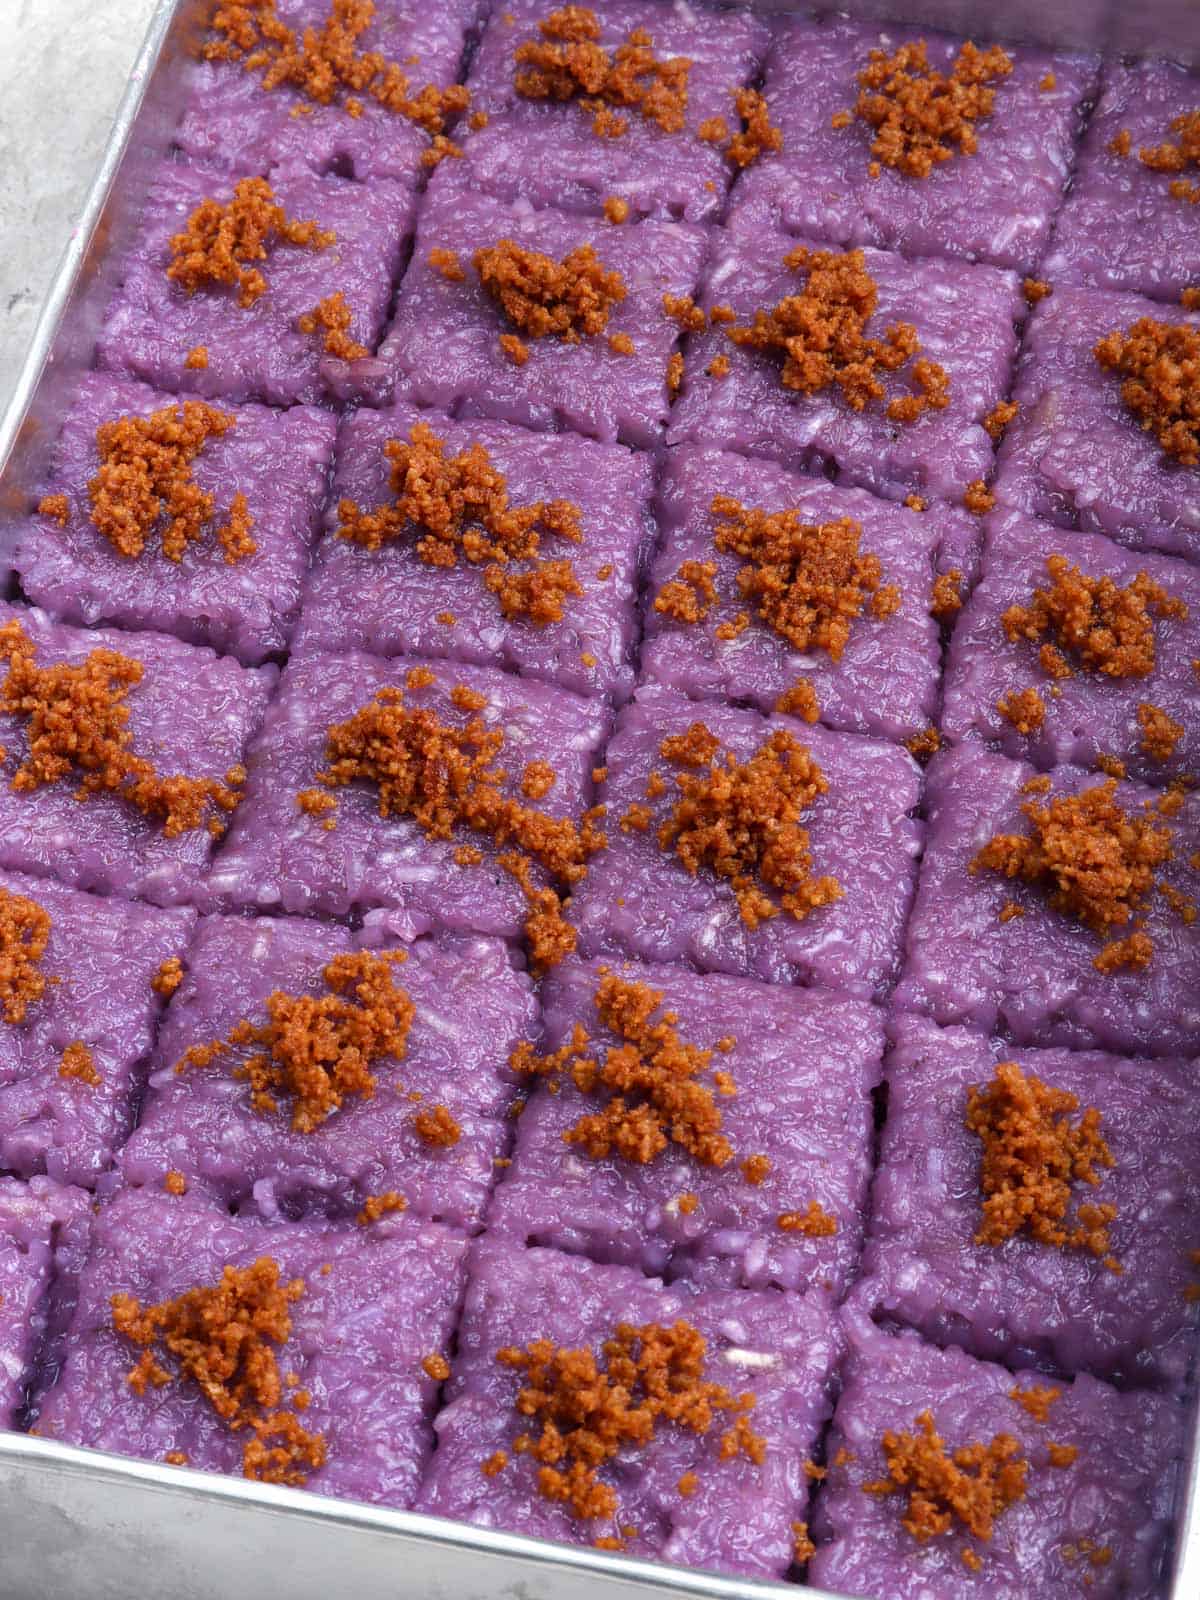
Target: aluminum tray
(85, 1525)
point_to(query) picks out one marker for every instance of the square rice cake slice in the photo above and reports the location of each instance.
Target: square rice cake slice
(79, 1011)
(1075, 454)
(731, 1515)
(1121, 226)
(1130, 647)
(551, 152)
(996, 205)
(281, 857)
(427, 1124)
(816, 615)
(246, 607)
(394, 600)
(44, 1232)
(232, 119)
(965, 321)
(1116, 1306)
(992, 951)
(1096, 1524)
(190, 715)
(780, 1117)
(373, 1305)
(204, 340)
(444, 347)
(641, 898)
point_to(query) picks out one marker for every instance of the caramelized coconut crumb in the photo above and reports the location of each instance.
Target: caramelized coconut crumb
(1111, 766)
(78, 1062)
(221, 241)
(436, 1366)
(674, 373)
(741, 820)
(1035, 289)
(458, 506)
(684, 311)
(1177, 156)
(57, 507)
(168, 977)
(713, 130)
(377, 1206)
(914, 502)
(1160, 731)
(1190, 299)
(1024, 708)
(494, 1464)
(923, 117)
(446, 263)
(1109, 629)
(758, 134)
(821, 333)
(24, 936)
(1095, 861)
(1159, 365)
(814, 1223)
(755, 1169)
(800, 701)
(331, 318)
(543, 298)
(651, 1080)
(1048, 84)
(144, 479)
(569, 63)
(437, 1128)
(579, 1412)
(616, 210)
(1121, 143)
(1062, 1455)
(690, 595)
(514, 349)
(1032, 1155)
(803, 1549)
(923, 746)
(718, 367)
(621, 344)
(978, 498)
(175, 1183)
(223, 1338)
(998, 419)
(972, 1486)
(946, 597)
(538, 779)
(196, 359)
(319, 1050)
(1036, 1399)
(78, 722)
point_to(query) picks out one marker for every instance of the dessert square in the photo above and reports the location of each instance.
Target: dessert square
(641, 899)
(280, 857)
(231, 119)
(1121, 226)
(208, 342)
(1075, 454)
(1125, 626)
(246, 607)
(991, 951)
(444, 348)
(802, 594)
(546, 149)
(731, 1515)
(392, 601)
(731, 1203)
(1097, 1524)
(79, 1010)
(43, 1239)
(469, 1006)
(1123, 1314)
(995, 205)
(964, 318)
(373, 1304)
(190, 716)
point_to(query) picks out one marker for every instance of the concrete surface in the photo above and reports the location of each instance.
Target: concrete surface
(63, 66)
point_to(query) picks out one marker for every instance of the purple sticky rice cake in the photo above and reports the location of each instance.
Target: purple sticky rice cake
(803, 1065)
(99, 962)
(1026, 1303)
(1074, 454)
(43, 1239)
(1090, 713)
(546, 151)
(471, 1007)
(443, 348)
(886, 680)
(278, 857)
(964, 317)
(1121, 227)
(994, 206)
(389, 601)
(258, 352)
(639, 900)
(1034, 975)
(359, 1334)
(230, 120)
(191, 715)
(1114, 1502)
(739, 1519)
(278, 460)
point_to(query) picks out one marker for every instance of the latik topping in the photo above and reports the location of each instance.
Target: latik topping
(222, 1339)
(144, 482)
(222, 240)
(78, 724)
(758, 134)
(569, 63)
(331, 319)
(319, 1050)
(1159, 365)
(543, 298)
(24, 937)
(1104, 627)
(1034, 1151)
(459, 506)
(1173, 156)
(821, 334)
